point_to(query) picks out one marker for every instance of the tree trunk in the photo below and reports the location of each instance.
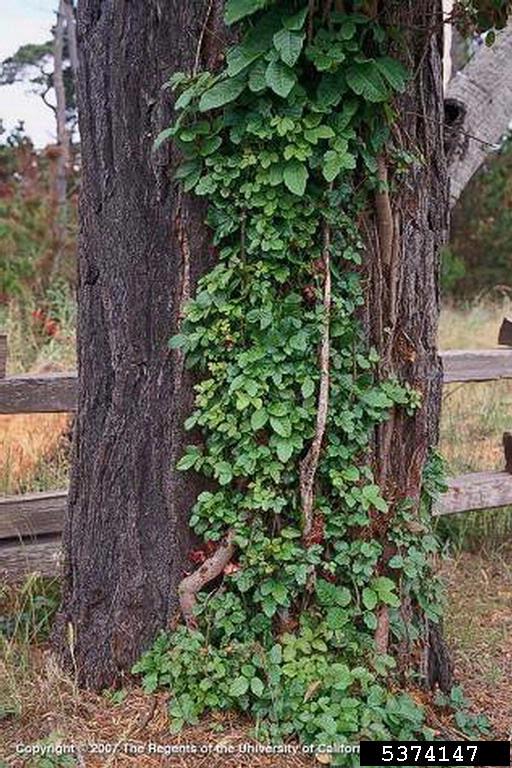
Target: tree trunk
(141, 249)
(403, 289)
(478, 110)
(63, 143)
(69, 12)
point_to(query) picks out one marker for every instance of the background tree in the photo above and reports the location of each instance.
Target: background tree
(51, 67)
(479, 109)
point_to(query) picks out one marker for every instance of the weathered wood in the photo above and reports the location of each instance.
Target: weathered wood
(3, 355)
(17, 560)
(505, 334)
(478, 490)
(38, 393)
(477, 365)
(507, 448)
(32, 514)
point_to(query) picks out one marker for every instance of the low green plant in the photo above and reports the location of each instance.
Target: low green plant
(27, 611)
(475, 726)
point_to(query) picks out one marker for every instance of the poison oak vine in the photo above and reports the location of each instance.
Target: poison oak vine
(288, 144)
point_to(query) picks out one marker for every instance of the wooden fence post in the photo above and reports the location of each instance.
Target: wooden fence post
(505, 337)
(505, 334)
(3, 355)
(507, 447)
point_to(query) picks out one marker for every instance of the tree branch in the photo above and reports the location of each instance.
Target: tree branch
(478, 104)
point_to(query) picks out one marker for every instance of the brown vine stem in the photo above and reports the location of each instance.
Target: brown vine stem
(209, 570)
(309, 464)
(201, 38)
(382, 632)
(311, 16)
(384, 213)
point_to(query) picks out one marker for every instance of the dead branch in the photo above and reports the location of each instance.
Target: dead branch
(209, 570)
(309, 464)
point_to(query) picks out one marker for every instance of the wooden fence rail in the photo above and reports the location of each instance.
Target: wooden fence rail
(31, 524)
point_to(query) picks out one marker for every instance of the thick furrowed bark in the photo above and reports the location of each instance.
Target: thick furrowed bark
(403, 294)
(126, 534)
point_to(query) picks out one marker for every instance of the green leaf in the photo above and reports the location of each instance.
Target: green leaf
(295, 176)
(221, 93)
(257, 80)
(239, 58)
(178, 341)
(239, 9)
(257, 686)
(223, 472)
(372, 494)
(280, 78)
(259, 419)
(269, 606)
(186, 97)
(370, 598)
(336, 618)
(276, 654)
(313, 135)
(187, 461)
(394, 72)
(365, 80)
(289, 45)
(386, 590)
(239, 686)
(284, 450)
(281, 426)
(167, 133)
(176, 725)
(343, 677)
(188, 168)
(279, 593)
(334, 163)
(308, 388)
(296, 21)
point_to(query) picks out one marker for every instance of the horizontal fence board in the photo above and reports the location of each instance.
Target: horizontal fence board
(474, 491)
(32, 514)
(38, 393)
(55, 392)
(476, 365)
(21, 558)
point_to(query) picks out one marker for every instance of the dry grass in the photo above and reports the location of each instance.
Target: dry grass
(473, 420)
(49, 703)
(30, 452)
(479, 629)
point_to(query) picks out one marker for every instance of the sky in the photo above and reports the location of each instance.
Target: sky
(25, 21)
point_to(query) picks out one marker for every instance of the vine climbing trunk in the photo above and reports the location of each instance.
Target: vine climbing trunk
(402, 299)
(141, 249)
